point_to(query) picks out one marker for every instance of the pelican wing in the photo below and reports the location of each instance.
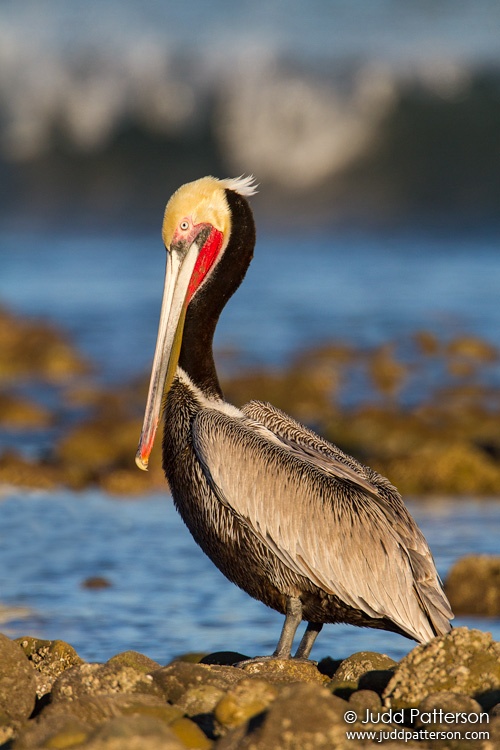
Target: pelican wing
(320, 516)
(329, 457)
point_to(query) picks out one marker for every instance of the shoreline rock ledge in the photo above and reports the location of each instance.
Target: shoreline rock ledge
(51, 698)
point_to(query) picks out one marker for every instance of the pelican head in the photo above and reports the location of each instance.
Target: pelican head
(196, 230)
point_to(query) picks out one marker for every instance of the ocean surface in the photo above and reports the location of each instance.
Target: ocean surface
(303, 288)
(165, 597)
(372, 130)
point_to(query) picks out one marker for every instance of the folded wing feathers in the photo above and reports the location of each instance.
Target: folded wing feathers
(325, 516)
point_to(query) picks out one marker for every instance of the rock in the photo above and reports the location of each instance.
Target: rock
(20, 472)
(190, 734)
(365, 700)
(98, 451)
(134, 659)
(303, 716)
(134, 733)
(192, 657)
(200, 699)
(58, 729)
(69, 719)
(178, 677)
(247, 698)
(473, 585)
(17, 681)
(96, 582)
(452, 467)
(20, 413)
(472, 348)
(463, 661)
(50, 659)
(285, 670)
(8, 727)
(34, 348)
(434, 706)
(102, 679)
(223, 658)
(364, 670)
(329, 666)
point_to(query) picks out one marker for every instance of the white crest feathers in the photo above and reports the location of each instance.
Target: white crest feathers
(243, 185)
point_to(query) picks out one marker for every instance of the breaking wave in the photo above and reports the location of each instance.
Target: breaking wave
(109, 116)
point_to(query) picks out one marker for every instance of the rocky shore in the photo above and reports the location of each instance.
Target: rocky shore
(51, 698)
(446, 442)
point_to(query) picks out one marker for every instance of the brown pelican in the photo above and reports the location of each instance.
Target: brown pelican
(284, 514)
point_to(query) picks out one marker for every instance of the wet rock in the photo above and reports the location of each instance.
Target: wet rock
(284, 670)
(246, 699)
(102, 679)
(20, 472)
(65, 721)
(329, 666)
(433, 708)
(134, 733)
(453, 467)
(57, 730)
(98, 451)
(303, 716)
(463, 661)
(472, 348)
(34, 348)
(20, 413)
(223, 658)
(134, 659)
(8, 727)
(473, 585)
(365, 700)
(190, 734)
(50, 659)
(17, 681)
(193, 657)
(200, 699)
(364, 670)
(179, 677)
(96, 582)
(386, 371)
(101, 443)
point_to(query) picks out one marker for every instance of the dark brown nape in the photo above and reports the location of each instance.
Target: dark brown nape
(196, 356)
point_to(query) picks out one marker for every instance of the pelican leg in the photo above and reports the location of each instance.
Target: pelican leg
(312, 631)
(293, 619)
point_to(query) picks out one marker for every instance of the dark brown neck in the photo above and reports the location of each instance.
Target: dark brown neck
(196, 356)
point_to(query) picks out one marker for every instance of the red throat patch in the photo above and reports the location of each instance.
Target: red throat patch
(204, 262)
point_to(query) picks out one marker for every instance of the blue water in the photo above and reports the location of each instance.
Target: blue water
(166, 598)
(363, 288)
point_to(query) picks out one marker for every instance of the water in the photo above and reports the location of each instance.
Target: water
(304, 288)
(166, 598)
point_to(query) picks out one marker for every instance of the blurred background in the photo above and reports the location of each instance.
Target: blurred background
(381, 112)
(370, 311)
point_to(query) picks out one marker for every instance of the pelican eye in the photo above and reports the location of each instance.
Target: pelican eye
(184, 225)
